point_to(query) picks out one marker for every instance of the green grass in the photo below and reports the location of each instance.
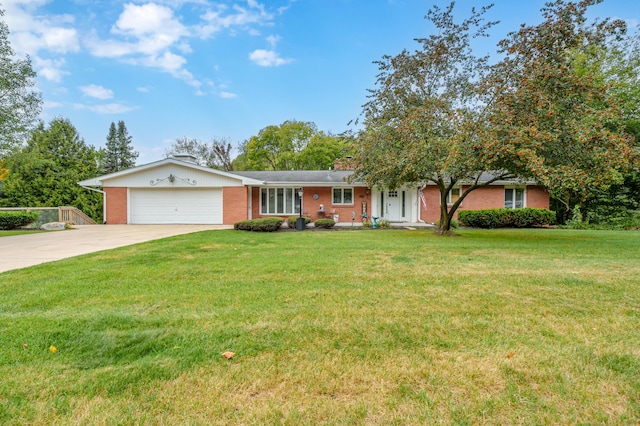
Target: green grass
(367, 327)
(18, 232)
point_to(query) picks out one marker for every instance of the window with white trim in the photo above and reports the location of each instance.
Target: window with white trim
(279, 201)
(454, 195)
(514, 198)
(342, 195)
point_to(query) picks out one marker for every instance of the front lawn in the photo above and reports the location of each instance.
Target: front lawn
(364, 327)
(11, 233)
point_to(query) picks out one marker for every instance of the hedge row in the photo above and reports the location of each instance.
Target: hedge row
(507, 218)
(13, 220)
(265, 224)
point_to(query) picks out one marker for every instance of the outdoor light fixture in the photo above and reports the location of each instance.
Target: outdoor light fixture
(300, 222)
(300, 192)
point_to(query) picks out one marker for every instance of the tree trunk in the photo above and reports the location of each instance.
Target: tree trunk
(444, 226)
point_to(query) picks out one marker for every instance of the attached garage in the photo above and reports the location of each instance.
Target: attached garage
(173, 191)
(175, 206)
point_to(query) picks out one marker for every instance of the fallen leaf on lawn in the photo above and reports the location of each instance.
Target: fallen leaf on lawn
(24, 346)
(228, 355)
(511, 354)
(53, 349)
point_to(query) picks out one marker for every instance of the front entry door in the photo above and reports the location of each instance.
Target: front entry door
(394, 205)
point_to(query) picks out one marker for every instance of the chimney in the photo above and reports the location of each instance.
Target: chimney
(187, 158)
(343, 163)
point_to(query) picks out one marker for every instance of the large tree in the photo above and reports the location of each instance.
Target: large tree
(292, 145)
(118, 153)
(46, 172)
(558, 107)
(426, 121)
(19, 103)
(444, 115)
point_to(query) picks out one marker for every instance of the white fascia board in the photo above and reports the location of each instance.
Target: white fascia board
(98, 181)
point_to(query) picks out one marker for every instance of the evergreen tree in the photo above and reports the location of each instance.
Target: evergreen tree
(110, 155)
(128, 156)
(118, 153)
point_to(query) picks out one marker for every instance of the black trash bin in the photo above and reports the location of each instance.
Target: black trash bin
(300, 224)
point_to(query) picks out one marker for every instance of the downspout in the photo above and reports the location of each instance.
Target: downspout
(104, 202)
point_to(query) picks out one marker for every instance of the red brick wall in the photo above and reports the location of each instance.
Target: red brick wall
(255, 203)
(489, 197)
(234, 204)
(311, 206)
(537, 197)
(116, 206)
(432, 196)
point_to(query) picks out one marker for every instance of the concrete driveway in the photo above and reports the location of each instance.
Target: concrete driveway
(21, 251)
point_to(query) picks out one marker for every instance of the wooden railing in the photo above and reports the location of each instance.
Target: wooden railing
(66, 214)
(74, 216)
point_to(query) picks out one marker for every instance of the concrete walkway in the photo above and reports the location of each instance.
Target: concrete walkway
(20, 251)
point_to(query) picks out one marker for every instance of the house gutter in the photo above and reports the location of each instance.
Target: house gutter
(104, 201)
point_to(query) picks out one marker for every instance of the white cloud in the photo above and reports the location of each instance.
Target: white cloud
(237, 17)
(111, 108)
(51, 104)
(144, 89)
(273, 41)
(31, 34)
(98, 92)
(147, 33)
(268, 58)
(61, 40)
(228, 95)
(149, 23)
(51, 69)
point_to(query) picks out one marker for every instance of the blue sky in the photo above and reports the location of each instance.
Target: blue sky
(226, 69)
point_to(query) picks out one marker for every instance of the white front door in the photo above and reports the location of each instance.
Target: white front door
(395, 205)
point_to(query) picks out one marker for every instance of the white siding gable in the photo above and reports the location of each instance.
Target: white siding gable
(183, 177)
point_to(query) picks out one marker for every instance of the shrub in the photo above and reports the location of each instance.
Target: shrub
(506, 218)
(291, 221)
(383, 223)
(265, 224)
(13, 220)
(367, 224)
(324, 223)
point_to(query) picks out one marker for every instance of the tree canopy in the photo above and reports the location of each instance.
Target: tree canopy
(46, 172)
(445, 115)
(19, 103)
(556, 108)
(292, 145)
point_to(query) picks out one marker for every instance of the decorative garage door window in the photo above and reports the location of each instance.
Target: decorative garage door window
(279, 201)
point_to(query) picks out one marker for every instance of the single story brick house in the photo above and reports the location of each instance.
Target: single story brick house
(178, 191)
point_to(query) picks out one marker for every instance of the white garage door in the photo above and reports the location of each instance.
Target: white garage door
(175, 206)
